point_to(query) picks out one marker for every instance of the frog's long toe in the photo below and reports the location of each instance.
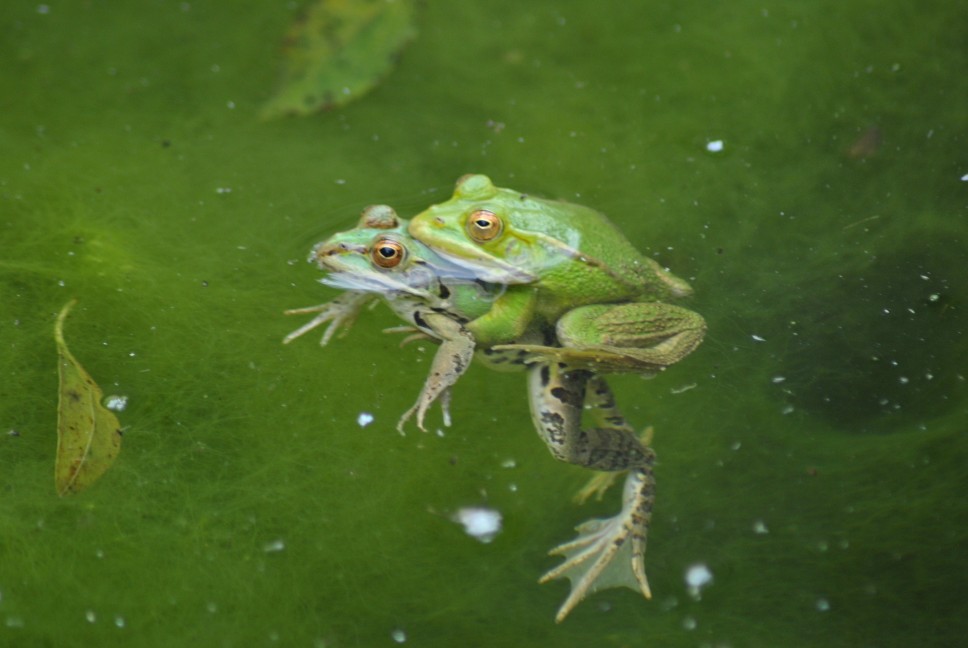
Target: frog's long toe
(608, 552)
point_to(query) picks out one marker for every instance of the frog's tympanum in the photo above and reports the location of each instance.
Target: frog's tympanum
(533, 284)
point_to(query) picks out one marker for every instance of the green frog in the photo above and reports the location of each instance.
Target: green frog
(567, 267)
(378, 259)
(562, 378)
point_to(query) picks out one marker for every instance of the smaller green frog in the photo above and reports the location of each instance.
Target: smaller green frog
(378, 259)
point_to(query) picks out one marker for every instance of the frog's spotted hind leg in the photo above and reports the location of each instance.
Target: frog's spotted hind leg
(606, 553)
(600, 404)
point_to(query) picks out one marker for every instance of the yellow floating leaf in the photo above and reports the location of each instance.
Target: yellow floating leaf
(88, 434)
(336, 51)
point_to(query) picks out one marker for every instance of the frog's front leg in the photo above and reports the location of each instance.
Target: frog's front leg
(450, 361)
(340, 313)
(606, 553)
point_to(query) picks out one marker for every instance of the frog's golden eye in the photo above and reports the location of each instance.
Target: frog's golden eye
(483, 225)
(388, 253)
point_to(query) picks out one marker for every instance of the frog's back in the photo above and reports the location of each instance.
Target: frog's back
(589, 236)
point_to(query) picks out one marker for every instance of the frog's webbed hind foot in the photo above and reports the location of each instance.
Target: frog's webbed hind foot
(596, 487)
(611, 552)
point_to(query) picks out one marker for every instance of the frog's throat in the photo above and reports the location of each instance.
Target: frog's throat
(485, 268)
(374, 283)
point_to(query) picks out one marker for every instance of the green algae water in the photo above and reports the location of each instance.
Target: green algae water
(803, 166)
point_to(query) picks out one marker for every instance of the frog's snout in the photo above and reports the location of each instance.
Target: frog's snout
(325, 250)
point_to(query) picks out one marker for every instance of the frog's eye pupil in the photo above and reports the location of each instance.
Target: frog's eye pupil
(388, 254)
(484, 225)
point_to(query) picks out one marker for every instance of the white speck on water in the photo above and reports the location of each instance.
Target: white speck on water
(689, 623)
(230, 105)
(116, 403)
(736, 445)
(759, 527)
(964, 178)
(275, 546)
(340, 181)
(778, 379)
(788, 409)
(119, 621)
(903, 380)
(15, 622)
(509, 463)
(223, 190)
(43, 9)
(364, 419)
(479, 522)
(698, 576)
(715, 146)
(90, 616)
(669, 603)
(513, 487)
(757, 338)
(823, 605)
(683, 389)
(398, 635)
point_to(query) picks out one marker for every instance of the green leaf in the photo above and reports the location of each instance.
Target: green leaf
(337, 51)
(88, 434)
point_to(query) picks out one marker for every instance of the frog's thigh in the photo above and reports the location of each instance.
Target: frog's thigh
(556, 397)
(600, 401)
(661, 333)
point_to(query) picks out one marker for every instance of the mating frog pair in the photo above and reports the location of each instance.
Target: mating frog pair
(548, 287)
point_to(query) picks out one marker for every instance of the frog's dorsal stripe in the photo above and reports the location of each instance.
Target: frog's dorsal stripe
(582, 257)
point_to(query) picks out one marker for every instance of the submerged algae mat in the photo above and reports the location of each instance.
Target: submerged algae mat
(811, 451)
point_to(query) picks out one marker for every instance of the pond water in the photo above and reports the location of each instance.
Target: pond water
(802, 164)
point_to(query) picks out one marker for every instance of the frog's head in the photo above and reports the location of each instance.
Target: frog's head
(472, 230)
(380, 256)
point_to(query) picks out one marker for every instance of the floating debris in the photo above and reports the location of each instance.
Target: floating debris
(480, 523)
(338, 50)
(88, 434)
(698, 576)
